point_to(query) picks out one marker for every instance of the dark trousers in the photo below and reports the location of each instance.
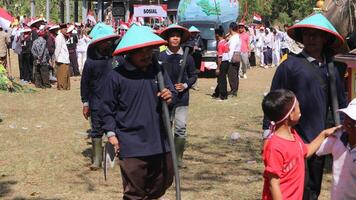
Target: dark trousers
(313, 177)
(25, 67)
(146, 178)
(19, 58)
(74, 68)
(285, 51)
(197, 59)
(41, 75)
(233, 73)
(221, 88)
(267, 53)
(96, 130)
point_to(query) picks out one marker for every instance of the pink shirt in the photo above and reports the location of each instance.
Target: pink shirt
(245, 41)
(285, 159)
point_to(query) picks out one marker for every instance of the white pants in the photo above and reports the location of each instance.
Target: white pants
(259, 52)
(82, 57)
(276, 57)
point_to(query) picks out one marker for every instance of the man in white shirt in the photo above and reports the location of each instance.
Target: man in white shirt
(62, 60)
(234, 46)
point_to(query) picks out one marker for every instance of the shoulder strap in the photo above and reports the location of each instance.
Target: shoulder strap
(315, 72)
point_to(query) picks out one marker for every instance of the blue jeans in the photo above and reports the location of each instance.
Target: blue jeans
(180, 121)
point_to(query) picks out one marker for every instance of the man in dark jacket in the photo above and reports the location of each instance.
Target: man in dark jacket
(131, 113)
(26, 64)
(172, 59)
(308, 76)
(41, 61)
(96, 68)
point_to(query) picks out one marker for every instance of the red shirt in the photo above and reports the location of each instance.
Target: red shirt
(285, 159)
(245, 42)
(223, 47)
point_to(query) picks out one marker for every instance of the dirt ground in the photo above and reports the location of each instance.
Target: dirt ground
(45, 153)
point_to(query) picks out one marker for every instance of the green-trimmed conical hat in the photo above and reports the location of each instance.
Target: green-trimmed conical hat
(102, 32)
(175, 27)
(194, 29)
(137, 37)
(148, 28)
(317, 21)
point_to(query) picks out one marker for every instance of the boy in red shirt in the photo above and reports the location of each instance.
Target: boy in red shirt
(284, 151)
(222, 65)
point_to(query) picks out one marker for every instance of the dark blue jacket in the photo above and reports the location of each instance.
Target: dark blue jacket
(314, 100)
(93, 78)
(132, 109)
(171, 64)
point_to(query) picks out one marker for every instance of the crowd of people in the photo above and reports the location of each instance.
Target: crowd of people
(120, 91)
(47, 53)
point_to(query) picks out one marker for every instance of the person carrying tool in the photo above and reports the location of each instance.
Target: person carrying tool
(131, 115)
(96, 68)
(173, 59)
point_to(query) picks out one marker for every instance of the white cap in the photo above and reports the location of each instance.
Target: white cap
(70, 28)
(25, 30)
(54, 27)
(42, 27)
(350, 110)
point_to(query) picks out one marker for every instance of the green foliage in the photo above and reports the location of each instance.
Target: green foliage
(283, 18)
(23, 8)
(278, 11)
(4, 81)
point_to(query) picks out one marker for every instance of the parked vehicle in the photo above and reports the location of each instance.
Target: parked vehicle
(207, 15)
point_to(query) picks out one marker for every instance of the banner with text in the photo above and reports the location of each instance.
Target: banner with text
(150, 10)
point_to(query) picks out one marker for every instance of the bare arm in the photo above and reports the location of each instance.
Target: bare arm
(315, 144)
(274, 187)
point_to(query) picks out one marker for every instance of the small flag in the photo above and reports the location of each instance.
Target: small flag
(5, 19)
(257, 17)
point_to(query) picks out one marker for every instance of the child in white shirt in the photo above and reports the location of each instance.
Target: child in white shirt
(343, 149)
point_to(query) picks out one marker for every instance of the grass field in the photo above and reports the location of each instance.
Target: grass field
(45, 153)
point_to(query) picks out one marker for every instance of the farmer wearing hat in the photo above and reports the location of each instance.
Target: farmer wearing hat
(62, 59)
(307, 74)
(41, 58)
(131, 115)
(195, 42)
(172, 59)
(35, 25)
(26, 66)
(96, 69)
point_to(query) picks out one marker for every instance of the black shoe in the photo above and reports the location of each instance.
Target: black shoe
(223, 97)
(215, 96)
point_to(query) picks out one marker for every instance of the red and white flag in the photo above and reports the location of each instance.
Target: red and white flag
(5, 19)
(257, 17)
